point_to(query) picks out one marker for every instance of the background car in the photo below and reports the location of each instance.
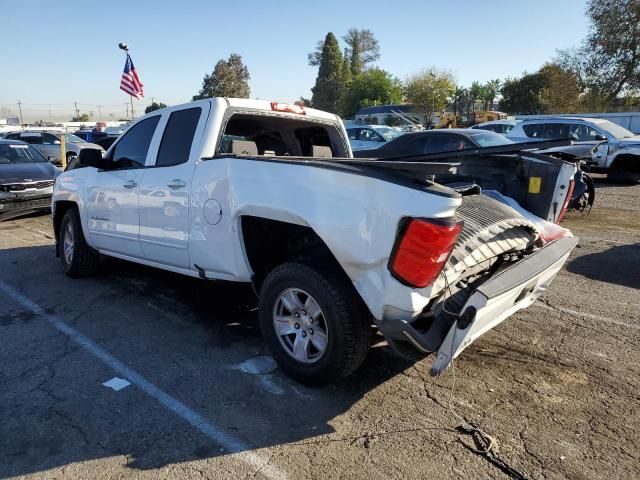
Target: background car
(436, 141)
(26, 179)
(371, 136)
(618, 153)
(48, 143)
(498, 126)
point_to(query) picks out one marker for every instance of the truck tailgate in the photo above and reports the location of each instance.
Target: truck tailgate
(508, 291)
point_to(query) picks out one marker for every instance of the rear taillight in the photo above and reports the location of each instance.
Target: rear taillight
(572, 185)
(421, 250)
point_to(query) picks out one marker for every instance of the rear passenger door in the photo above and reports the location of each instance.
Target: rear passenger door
(51, 146)
(166, 186)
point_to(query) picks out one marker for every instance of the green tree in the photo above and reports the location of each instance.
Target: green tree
(371, 87)
(492, 89)
(363, 48)
(346, 69)
(560, 91)
(430, 91)
(230, 78)
(552, 89)
(477, 91)
(329, 87)
(303, 102)
(522, 95)
(607, 63)
(154, 106)
(83, 117)
(314, 57)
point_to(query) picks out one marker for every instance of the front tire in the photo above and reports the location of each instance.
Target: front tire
(314, 323)
(78, 258)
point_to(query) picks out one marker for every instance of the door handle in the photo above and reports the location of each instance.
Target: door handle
(176, 183)
(130, 184)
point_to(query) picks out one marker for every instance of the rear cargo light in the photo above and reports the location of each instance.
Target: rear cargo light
(572, 185)
(288, 108)
(421, 250)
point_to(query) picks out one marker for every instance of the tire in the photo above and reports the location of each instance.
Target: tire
(78, 258)
(343, 320)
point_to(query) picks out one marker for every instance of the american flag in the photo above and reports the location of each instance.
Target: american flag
(130, 82)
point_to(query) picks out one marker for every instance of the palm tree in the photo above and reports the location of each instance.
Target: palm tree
(492, 89)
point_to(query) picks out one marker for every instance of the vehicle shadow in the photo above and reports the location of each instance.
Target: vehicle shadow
(619, 265)
(39, 427)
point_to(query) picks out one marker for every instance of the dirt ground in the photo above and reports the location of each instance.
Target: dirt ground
(557, 386)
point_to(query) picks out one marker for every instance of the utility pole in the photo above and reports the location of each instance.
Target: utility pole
(77, 111)
(127, 105)
(20, 108)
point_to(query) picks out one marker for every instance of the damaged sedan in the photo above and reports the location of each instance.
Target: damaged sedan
(26, 180)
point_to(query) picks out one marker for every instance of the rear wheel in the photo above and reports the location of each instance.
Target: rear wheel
(78, 259)
(314, 323)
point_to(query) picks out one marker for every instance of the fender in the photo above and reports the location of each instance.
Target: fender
(631, 151)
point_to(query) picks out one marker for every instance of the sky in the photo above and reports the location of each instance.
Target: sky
(57, 53)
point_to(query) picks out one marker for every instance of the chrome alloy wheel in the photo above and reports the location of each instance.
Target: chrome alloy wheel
(67, 243)
(300, 325)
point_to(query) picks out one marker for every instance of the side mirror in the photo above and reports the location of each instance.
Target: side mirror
(601, 138)
(91, 157)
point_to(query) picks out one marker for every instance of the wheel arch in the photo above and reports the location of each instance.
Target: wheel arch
(626, 161)
(268, 243)
(60, 207)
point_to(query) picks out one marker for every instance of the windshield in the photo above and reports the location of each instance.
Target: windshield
(489, 139)
(614, 129)
(19, 153)
(68, 138)
(388, 133)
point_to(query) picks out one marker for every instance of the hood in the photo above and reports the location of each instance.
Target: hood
(635, 140)
(24, 172)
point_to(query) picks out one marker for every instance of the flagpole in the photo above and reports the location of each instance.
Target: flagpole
(125, 47)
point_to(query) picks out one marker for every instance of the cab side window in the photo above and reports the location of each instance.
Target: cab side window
(370, 136)
(178, 137)
(48, 139)
(131, 150)
(31, 138)
(534, 131)
(417, 146)
(446, 143)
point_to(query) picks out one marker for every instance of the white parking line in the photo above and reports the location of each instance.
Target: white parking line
(218, 435)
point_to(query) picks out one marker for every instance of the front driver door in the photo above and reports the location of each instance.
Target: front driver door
(112, 194)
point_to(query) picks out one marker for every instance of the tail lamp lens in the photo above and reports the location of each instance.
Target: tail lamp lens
(572, 185)
(422, 249)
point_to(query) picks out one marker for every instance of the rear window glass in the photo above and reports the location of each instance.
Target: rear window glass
(281, 136)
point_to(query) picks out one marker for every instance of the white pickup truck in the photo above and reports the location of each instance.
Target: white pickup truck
(268, 193)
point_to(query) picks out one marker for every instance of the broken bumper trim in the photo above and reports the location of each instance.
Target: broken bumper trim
(491, 303)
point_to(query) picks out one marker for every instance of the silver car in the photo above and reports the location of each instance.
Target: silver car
(48, 143)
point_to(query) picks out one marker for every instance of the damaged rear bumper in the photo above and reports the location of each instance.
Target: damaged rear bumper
(506, 292)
